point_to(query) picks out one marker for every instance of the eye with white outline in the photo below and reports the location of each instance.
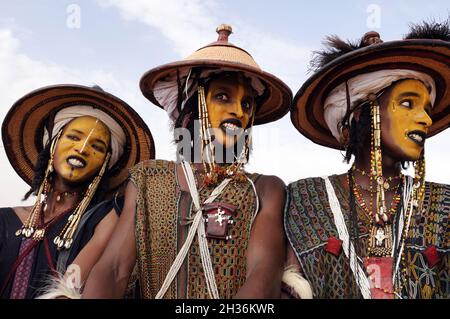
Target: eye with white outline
(73, 137)
(98, 148)
(223, 97)
(406, 103)
(246, 105)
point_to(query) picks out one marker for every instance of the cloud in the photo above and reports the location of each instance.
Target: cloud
(188, 23)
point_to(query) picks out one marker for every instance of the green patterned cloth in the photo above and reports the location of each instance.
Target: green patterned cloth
(309, 223)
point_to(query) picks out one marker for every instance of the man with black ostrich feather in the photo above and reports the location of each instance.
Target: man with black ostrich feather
(374, 231)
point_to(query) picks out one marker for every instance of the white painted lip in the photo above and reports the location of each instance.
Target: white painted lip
(417, 137)
(231, 125)
(76, 162)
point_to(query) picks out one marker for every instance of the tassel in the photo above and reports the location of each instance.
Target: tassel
(293, 279)
(58, 288)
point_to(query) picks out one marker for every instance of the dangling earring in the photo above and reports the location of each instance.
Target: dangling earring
(207, 151)
(29, 228)
(65, 238)
(376, 167)
(243, 156)
(419, 181)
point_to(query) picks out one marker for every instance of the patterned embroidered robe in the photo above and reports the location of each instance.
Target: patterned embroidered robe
(309, 223)
(163, 213)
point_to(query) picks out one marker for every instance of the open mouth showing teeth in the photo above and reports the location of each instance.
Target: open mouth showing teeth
(417, 137)
(76, 162)
(231, 125)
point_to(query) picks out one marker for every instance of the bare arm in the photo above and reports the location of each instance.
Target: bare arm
(292, 263)
(109, 277)
(266, 248)
(90, 253)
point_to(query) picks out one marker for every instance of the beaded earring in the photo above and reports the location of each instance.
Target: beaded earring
(65, 238)
(376, 168)
(381, 234)
(30, 227)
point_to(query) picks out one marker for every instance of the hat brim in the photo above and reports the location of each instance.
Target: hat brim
(428, 56)
(23, 128)
(274, 107)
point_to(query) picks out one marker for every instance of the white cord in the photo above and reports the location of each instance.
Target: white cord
(199, 227)
(256, 204)
(408, 203)
(358, 272)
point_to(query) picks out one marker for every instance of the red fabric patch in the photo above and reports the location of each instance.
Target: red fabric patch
(432, 256)
(379, 272)
(334, 246)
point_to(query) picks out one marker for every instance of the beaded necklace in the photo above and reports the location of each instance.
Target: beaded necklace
(360, 198)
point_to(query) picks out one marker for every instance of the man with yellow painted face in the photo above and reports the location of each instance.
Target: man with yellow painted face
(373, 232)
(202, 227)
(50, 248)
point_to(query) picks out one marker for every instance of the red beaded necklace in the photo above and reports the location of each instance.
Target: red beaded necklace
(360, 198)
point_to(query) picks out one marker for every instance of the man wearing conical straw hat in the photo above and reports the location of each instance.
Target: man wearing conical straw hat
(203, 227)
(73, 145)
(374, 232)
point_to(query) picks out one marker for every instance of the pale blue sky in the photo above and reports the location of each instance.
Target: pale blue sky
(118, 40)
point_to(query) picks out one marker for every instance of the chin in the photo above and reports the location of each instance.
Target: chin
(411, 155)
(75, 180)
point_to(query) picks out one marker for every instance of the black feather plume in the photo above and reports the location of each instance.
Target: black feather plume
(430, 30)
(334, 48)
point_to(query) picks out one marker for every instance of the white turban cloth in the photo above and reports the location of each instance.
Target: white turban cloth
(118, 137)
(166, 90)
(360, 87)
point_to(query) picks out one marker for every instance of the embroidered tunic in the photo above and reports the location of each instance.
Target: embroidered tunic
(309, 223)
(163, 216)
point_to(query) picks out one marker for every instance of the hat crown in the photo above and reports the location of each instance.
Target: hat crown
(222, 50)
(371, 38)
(224, 31)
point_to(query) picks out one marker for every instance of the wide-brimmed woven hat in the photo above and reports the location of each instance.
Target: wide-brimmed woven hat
(24, 125)
(222, 55)
(425, 49)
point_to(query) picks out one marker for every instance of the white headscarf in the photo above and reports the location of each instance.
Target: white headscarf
(360, 86)
(166, 90)
(118, 137)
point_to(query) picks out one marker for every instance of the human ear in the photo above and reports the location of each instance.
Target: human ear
(357, 114)
(345, 136)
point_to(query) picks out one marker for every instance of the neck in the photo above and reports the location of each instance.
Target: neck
(391, 166)
(59, 186)
(62, 196)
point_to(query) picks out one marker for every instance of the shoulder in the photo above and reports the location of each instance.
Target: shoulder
(271, 192)
(306, 195)
(271, 182)
(6, 213)
(99, 210)
(144, 169)
(306, 181)
(20, 212)
(438, 194)
(437, 186)
(152, 164)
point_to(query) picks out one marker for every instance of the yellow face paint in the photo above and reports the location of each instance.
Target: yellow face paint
(406, 120)
(230, 102)
(81, 149)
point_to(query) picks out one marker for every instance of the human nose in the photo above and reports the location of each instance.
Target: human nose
(424, 119)
(237, 110)
(82, 147)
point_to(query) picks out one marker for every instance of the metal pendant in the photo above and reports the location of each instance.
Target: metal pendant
(380, 240)
(218, 217)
